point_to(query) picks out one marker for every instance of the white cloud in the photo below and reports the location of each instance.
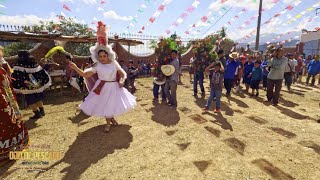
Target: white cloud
(89, 2)
(66, 1)
(143, 6)
(24, 20)
(115, 16)
(100, 9)
(237, 34)
(202, 24)
(249, 4)
(2, 6)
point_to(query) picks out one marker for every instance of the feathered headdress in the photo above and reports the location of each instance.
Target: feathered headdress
(102, 44)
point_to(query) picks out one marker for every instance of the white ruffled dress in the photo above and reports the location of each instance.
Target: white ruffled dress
(112, 100)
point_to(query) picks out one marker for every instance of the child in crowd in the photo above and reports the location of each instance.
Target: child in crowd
(265, 72)
(248, 66)
(216, 85)
(87, 65)
(256, 78)
(70, 73)
(132, 73)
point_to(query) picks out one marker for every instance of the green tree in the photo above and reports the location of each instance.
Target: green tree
(13, 48)
(223, 32)
(226, 44)
(67, 27)
(153, 44)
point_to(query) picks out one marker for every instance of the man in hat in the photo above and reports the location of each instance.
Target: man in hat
(200, 63)
(230, 70)
(288, 72)
(157, 84)
(276, 74)
(172, 81)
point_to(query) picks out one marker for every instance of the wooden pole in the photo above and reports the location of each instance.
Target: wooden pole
(258, 27)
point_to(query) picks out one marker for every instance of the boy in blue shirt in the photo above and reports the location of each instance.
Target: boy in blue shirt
(216, 85)
(313, 70)
(256, 78)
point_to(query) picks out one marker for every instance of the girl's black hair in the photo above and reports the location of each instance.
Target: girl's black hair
(90, 60)
(102, 50)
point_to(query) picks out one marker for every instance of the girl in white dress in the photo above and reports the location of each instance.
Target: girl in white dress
(107, 98)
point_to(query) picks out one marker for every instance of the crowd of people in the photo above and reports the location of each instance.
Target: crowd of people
(270, 71)
(104, 79)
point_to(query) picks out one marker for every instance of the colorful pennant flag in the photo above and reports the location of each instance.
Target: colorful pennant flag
(66, 7)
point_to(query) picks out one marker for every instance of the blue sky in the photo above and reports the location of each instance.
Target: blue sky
(118, 14)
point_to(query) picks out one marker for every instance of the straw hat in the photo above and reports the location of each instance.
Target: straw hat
(159, 82)
(168, 70)
(234, 55)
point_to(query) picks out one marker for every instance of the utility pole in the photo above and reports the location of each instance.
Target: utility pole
(258, 27)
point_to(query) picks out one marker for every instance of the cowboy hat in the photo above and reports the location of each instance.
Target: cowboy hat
(167, 70)
(158, 81)
(234, 55)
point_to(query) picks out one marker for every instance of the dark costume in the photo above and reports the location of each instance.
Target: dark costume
(30, 79)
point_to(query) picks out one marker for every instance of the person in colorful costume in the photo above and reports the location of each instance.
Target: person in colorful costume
(107, 98)
(13, 131)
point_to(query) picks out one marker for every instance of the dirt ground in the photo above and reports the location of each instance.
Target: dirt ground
(250, 139)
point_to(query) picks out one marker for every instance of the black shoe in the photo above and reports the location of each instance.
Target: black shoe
(42, 113)
(36, 115)
(194, 94)
(274, 104)
(228, 94)
(257, 94)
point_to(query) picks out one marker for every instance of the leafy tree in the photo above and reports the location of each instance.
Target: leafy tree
(226, 44)
(13, 48)
(67, 27)
(153, 44)
(223, 32)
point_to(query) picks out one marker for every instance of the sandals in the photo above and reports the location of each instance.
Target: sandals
(107, 128)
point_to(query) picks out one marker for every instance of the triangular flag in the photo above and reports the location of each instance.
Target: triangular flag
(161, 8)
(142, 28)
(66, 7)
(290, 7)
(298, 16)
(310, 9)
(102, 2)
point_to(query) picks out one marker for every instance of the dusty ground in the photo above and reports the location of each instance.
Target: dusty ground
(250, 139)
